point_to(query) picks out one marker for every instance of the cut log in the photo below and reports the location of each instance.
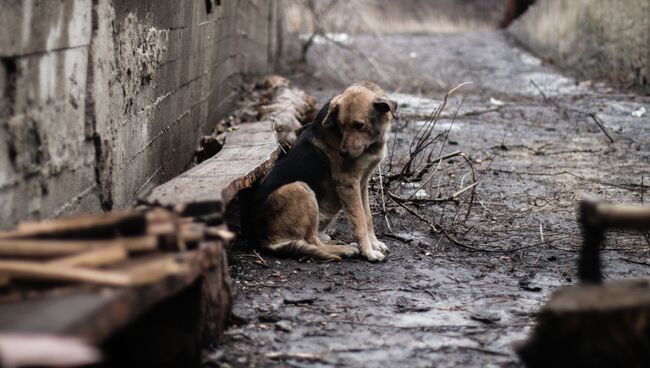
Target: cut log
(51, 248)
(595, 324)
(604, 325)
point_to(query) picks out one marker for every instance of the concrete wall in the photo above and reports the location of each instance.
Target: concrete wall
(596, 38)
(100, 100)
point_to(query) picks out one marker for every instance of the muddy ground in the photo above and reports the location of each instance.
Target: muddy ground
(434, 302)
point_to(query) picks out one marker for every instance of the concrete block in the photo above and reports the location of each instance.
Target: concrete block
(35, 26)
(42, 79)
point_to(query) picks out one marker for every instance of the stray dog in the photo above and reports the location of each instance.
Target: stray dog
(325, 171)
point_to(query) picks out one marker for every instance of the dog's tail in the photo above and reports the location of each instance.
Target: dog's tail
(301, 248)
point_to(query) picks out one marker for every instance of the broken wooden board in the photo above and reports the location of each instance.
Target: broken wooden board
(247, 155)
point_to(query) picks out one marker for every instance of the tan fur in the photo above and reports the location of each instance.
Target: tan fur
(353, 155)
(296, 231)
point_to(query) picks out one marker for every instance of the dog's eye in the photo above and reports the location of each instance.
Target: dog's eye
(357, 125)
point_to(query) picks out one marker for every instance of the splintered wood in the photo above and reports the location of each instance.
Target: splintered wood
(126, 248)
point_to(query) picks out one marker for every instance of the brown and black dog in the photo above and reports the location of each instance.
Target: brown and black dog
(325, 171)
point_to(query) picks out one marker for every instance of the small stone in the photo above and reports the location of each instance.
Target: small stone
(283, 326)
(639, 112)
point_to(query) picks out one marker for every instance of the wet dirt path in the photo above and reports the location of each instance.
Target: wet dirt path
(435, 303)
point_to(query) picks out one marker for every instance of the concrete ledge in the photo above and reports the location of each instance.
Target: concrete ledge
(248, 155)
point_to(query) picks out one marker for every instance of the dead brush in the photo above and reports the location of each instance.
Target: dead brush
(415, 177)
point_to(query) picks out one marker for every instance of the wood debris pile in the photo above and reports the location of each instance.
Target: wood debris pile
(127, 248)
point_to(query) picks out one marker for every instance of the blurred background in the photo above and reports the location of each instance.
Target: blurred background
(410, 16)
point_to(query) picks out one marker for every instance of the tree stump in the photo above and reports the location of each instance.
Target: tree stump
(595, 324)
(605, 325)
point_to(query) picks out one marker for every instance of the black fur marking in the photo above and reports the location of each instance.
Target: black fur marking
(304, 162)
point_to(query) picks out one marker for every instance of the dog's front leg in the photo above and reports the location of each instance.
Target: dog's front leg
(374, 242)
(349, 192)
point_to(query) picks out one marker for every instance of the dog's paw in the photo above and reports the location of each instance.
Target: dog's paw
(351, 251)
(380, 246)
(373, 255)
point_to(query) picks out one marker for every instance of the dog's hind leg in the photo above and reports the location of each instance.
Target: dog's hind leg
(292, 225)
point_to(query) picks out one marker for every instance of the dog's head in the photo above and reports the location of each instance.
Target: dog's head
(362, 116)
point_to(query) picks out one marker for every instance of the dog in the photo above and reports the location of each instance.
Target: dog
(325, 171)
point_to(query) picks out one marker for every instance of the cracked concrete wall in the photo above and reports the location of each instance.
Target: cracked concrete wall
(101, 100)
(607, 39)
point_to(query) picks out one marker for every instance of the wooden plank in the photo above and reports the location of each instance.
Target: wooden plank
(53, 272)
(94, 258)
(87, 226)
(219, 178)
(51, 248)
(152, 268)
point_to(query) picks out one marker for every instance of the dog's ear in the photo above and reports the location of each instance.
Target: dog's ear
(384, 105)
(332, 112)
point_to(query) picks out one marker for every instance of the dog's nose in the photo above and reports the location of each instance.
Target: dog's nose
(344, 152)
